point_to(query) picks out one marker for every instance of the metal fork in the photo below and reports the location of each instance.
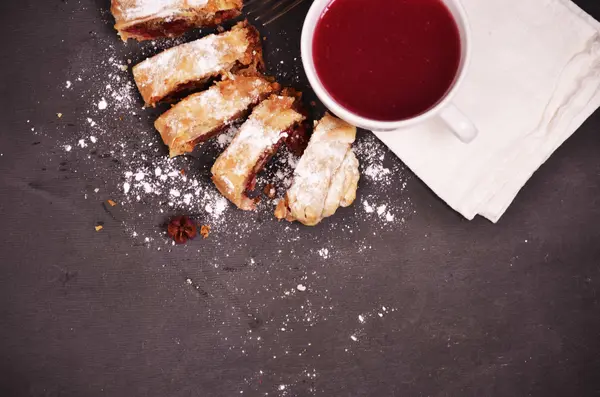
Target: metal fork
(269, 11)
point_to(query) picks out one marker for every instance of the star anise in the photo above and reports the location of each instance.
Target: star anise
(181, 229)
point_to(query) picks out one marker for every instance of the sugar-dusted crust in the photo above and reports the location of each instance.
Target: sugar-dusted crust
(203, 115)
(257, 140)
(326, 176)
(194, 64)
(150, 19)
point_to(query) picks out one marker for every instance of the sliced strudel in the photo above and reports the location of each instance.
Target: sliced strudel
(271, 122)
(203, 115)
(150, 19)
(326, 176)
(193, 64)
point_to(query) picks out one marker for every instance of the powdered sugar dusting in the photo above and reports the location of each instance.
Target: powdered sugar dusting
(266, 288)
(376, 172)
(137, 9)
(321, 177)
(159, 76)
(205, 112)
(259, 134)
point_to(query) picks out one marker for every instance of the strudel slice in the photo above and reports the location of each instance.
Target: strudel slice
(326, 176)
(150, 19)
(193, 64)
(258, 139)
(203, 115)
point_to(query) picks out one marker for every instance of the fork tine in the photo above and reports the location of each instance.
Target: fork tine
(283, 12)
(274, 8)
(252, 6)
(248, 3)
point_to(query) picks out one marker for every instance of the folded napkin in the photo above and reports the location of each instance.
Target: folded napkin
(533, 80)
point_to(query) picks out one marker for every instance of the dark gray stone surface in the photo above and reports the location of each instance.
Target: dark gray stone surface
(472, 309)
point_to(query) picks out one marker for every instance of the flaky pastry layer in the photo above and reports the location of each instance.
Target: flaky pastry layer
(258, 139)
(326, 177)
(150, 19)
(193, 64)
(203, 115)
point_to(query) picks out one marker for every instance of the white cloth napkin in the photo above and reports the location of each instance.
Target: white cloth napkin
(534, 79)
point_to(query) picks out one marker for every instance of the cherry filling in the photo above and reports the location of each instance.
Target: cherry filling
(183, 90)
(154, 29)
(260, 164)
(296, 139)
(189, 145)
(160, 28)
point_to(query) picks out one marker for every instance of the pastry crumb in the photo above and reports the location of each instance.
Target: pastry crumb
(205, 231)
(111, 203)
(99, 227)
(270, 191)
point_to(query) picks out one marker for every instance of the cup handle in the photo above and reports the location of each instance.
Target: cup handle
(459, 124)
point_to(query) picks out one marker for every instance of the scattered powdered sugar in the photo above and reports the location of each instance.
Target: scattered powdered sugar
(102, 104)
(165, 186)
(323, 253)
(367, 318)
(247, 255)
(375, 172)
(166, 181)
(372, 160)
(145, 176)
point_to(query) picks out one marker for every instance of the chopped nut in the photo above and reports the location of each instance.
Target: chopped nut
(205, 231)
(182, 229)
(111, 203)
(59, 115)
(282, 211)
(99, 227)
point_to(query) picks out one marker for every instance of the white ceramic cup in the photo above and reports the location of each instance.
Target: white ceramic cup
(456, 120)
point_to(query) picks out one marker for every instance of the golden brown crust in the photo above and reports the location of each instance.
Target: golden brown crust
(257, 140)
(282, 211)
(150, 19)
(253, 59)
(203, 115)
(194, 64)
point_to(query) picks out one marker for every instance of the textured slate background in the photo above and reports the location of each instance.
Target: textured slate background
(479, 310)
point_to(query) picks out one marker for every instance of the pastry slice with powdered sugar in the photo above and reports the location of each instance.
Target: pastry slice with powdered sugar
(150, 19)
(274, 121)
(193, 65)
(326, 176)
(203, 115)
